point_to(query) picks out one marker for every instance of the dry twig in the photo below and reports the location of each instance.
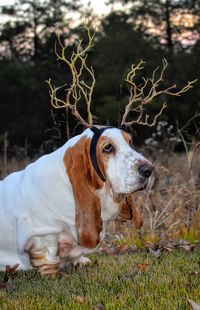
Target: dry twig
(77, 64)
(7, 280)
(144, 94)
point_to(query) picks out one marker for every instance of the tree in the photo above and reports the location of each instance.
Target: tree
(32, 26)
(166, 20)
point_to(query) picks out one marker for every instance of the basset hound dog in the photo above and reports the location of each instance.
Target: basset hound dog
(57, 209)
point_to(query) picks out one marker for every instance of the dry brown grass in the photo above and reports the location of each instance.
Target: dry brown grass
(173, 197)
(13, 165)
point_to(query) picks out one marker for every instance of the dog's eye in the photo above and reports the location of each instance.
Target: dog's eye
(108, 148)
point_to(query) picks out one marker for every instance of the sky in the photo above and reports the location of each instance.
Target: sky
(99, 6)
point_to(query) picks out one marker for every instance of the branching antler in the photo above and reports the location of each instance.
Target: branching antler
(78, 88)
(144, 94)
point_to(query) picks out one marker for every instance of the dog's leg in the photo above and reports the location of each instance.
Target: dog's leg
(81, 261)
(71, 253)
(43, 254)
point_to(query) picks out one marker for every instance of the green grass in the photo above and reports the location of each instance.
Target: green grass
(115, 282)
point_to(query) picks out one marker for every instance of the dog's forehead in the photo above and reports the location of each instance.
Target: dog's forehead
(116, 135)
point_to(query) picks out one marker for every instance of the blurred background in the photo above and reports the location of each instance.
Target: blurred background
(126, 32)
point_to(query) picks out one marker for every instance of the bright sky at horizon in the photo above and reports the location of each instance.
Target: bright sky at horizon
(99, 6)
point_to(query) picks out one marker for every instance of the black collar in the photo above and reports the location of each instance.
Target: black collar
(129, 206)
(97, 133)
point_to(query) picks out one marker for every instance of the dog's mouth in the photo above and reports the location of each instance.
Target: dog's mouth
(143, 185)
(119, 196)
(130, 189)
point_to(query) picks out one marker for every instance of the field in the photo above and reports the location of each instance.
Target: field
(113, 282)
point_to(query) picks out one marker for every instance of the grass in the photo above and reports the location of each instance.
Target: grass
(114, 282)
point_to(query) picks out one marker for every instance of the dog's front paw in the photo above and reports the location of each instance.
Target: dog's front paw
(49, 270)
(42, 251)
(81, 261)
(39, 258)
(46, 266)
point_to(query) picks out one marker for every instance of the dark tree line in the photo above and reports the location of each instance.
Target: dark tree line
(146, 29)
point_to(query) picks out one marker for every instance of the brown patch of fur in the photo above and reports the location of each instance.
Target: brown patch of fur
(85, 182)
(127, 137)
(127, 213)
(64, 249)
(102, 158)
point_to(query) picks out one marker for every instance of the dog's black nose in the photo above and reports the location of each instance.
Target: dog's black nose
(145, 170)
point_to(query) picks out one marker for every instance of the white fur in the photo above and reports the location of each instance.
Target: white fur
(37, 205)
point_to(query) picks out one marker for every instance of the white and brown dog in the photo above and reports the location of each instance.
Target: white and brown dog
(57, 208)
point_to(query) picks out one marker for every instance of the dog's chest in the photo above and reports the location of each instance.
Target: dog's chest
(109, 207)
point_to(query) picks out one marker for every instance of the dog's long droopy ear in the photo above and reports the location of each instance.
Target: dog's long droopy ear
(84, 183)
(128, 211)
